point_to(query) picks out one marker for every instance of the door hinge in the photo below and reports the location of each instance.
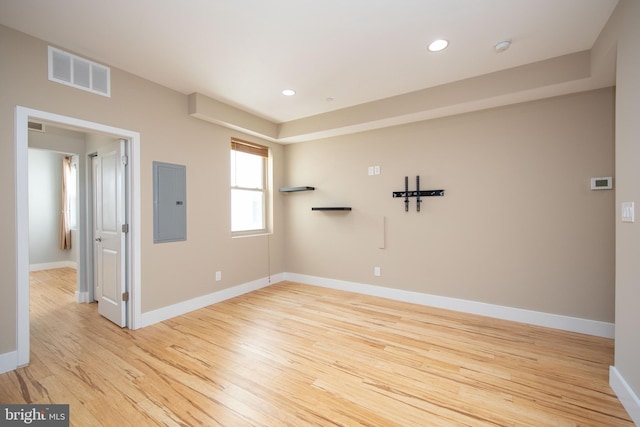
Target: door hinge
(125, 160)
(125, 296)
(125, 228)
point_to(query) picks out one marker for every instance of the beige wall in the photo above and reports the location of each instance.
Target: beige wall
(518, 225)
(168, 134)
(627, 351)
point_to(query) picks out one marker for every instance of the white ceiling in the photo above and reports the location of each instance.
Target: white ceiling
(245, 52)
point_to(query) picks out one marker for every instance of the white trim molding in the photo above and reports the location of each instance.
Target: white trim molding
(625, 394)
(174, 310)
(82, 297)
(22, 117)
(556, 321)
(8, 361)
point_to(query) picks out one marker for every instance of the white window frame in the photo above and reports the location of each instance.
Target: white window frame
(265, 191)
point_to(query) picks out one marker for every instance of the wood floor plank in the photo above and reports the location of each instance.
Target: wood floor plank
(79, 413)
(296, 355)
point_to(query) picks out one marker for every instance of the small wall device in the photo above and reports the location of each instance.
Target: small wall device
(602, 183)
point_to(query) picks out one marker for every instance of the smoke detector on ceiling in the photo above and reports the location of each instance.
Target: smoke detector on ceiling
(502, 46)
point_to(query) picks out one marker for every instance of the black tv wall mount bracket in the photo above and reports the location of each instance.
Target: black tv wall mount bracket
(417, 193)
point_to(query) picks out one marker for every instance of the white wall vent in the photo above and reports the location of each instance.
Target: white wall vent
(35, 126)
(71, 70)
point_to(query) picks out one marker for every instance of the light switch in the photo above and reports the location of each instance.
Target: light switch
(628, 212)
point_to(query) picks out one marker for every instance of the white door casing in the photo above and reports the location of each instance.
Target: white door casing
(93, 164)
(22, 117)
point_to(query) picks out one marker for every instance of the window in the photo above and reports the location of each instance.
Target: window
(249, 189)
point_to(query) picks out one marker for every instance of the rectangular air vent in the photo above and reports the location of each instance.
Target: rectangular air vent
(35, 126)
(71, 70)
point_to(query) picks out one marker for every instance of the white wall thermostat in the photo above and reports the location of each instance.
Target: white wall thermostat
(602, 183)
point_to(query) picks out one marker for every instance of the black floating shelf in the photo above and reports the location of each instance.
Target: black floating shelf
(292, 189)
(332, 208)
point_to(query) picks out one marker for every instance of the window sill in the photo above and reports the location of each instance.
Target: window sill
(251, 233)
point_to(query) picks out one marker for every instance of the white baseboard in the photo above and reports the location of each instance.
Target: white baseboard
(52, 265)
(625, 394)
(82, 297)
(8, 361)
(566, 323)
(164, 313)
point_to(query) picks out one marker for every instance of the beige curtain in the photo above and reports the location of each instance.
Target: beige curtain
(65, 231)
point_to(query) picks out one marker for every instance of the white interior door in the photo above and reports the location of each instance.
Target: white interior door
(109, 238)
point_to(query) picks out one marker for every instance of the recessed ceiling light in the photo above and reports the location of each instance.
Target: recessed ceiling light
(438, 45)
(288, 92)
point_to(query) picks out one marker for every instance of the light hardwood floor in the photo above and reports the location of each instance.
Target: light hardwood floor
(296, 355)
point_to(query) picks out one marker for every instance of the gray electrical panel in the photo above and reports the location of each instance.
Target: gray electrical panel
(169, 202)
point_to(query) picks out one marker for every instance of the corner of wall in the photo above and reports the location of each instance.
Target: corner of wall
(625, 394)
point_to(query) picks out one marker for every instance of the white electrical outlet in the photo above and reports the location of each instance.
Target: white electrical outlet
(376, 271)
(218, 276)
(370, 170)
(376, 170)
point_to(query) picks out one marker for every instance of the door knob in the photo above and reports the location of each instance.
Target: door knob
(98, 239)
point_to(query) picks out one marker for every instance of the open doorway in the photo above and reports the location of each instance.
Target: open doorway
(64, 174)
(56, 178)
(130, 142)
